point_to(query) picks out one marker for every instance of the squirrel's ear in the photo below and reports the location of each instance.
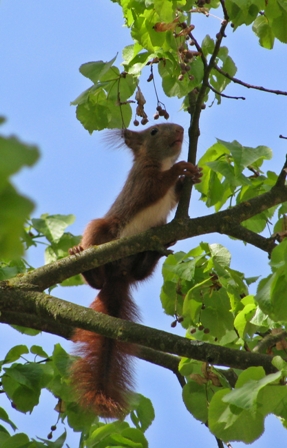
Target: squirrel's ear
(133, 140)
(116, 138)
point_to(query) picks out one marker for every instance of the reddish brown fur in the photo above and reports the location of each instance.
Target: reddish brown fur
(102, 377)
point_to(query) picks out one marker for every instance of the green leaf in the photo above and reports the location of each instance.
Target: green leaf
(263, 30)
(53, 226)
(25, 330)
(166, 10)
(263, 296)
(37, 350)
(243, 11)
(143, 31)
(207, 45)
(142, 414)
(14, 155)
(96, 70)
(169, 70)
(4, 416)
(228, 422)
(62, 360)
(59, 443)
(248, 385)
(78, 419)
(271, 290)
(15, 208)
(23, 384)
(220, 254)
(15, 353)
(130, 437)
(98, 107)
(244, 156)
(14, 211)
(223, 165)
(60, 248)
(196, 397)
(100, 437)
(243, 318)
(279, 23)
(17, 441)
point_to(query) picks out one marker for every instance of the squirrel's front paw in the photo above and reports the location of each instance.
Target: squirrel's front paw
(195, 172)
(189, 170)
(75, 250)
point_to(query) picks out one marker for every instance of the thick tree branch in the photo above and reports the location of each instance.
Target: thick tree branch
(224, 222)
(51, 309)
(156, 357)
(241, 233)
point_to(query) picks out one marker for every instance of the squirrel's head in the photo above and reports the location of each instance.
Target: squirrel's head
(158, 142)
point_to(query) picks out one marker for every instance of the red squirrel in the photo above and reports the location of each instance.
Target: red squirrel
(102, 376)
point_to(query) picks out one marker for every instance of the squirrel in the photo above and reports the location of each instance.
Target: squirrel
(102, 375)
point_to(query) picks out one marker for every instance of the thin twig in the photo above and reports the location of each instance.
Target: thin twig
(219, 443)
(199, 49)
(161, 359)
(269, 341)
(226, 17)
(224, 95)
(282, 176)
(248, 86)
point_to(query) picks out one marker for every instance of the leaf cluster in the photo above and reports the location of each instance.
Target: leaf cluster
(22, 381)
(15, 208)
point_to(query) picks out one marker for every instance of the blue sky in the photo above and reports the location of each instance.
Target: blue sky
(42, 46)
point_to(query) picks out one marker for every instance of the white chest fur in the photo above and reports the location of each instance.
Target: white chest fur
(156, 214)
(152, 216)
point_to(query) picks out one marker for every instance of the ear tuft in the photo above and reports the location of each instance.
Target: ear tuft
(114, 138)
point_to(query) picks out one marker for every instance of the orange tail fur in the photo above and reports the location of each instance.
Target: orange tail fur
(102, 376)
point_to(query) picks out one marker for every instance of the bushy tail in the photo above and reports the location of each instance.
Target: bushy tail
(102, 377)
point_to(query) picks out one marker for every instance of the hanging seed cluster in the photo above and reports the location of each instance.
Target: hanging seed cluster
(185, 57)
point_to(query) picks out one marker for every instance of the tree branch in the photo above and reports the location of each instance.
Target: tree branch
(224, 222)
(52, 309)
(259, 241)
(248, 86)
(196, 101)
(224, 95)
(269, 341)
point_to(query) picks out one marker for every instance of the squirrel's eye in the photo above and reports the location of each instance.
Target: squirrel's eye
(154, 131)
